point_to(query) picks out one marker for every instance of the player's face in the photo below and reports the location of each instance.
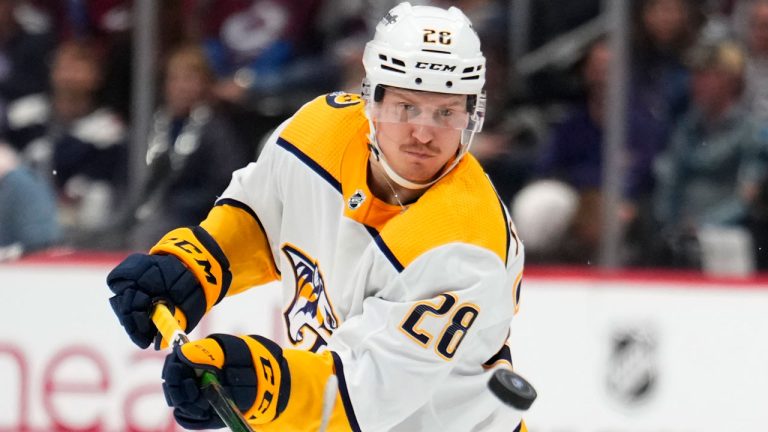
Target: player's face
(419, 132)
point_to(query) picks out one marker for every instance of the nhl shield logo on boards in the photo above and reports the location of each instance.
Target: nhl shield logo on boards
(356, 199)
(632, 373)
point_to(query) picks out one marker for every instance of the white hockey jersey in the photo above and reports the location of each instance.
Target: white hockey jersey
(414, 306)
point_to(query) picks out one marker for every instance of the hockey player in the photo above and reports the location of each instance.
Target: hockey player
(400, 267)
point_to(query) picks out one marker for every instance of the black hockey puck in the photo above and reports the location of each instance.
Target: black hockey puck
(512, 389)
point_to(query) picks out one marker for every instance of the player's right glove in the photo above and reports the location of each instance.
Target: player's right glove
(186, 270)
(251, 369)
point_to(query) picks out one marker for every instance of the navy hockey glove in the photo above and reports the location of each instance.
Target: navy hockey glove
(141, 280)
(251, 369)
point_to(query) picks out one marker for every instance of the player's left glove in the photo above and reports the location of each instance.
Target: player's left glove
(140, 281)
(186, 269)
(250, 368)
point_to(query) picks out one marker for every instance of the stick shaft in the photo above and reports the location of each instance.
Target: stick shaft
(211, 388)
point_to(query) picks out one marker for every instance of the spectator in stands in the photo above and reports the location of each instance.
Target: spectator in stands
(574, 157)
(27, 208)
(755, 15)
(664, 30)
(193, 149)
(557, 30)
(75, 142)
(266, 56)
(24, 57)
(251, 43)
(96, 20)
(710, 173)
(756, 86)
(108, 24)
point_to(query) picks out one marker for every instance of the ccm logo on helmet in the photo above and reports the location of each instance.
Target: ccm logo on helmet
(435, 67)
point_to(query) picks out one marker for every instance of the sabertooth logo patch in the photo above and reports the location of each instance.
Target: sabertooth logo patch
(356, 199)
(311, 313)
(389, 18)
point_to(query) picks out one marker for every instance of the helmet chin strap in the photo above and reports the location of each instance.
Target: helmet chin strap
(397, 178)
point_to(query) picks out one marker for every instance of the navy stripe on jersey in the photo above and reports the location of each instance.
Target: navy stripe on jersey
(504, 354)
(372, 231)
(242, 206)
(310, 163)
(384, 248)
(344, 393)
(388, 253)
(508, 229)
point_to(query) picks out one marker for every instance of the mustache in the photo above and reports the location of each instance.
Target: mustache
(420, 148)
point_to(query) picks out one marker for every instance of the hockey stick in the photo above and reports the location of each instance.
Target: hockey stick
(209, 385)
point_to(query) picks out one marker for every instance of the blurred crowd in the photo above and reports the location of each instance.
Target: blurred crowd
(694, 163)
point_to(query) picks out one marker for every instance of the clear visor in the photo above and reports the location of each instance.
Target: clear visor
(447, 113)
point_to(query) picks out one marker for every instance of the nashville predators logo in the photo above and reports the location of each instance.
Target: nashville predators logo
(342, 99)
(310, 310)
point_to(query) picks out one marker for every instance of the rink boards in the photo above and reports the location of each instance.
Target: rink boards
(625, 352)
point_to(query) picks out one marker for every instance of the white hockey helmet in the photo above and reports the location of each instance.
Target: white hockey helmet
(429, 49)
